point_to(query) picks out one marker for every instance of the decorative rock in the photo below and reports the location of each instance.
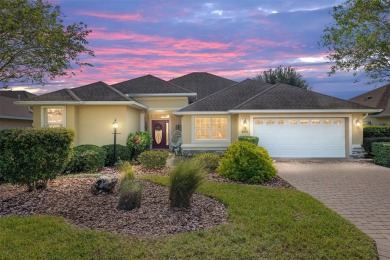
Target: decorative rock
(104, 185)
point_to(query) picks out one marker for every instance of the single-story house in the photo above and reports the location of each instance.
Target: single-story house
(11, 115)
(377, 98)
(290, 122)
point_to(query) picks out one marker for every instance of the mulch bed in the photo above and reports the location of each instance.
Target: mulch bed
(72, 199)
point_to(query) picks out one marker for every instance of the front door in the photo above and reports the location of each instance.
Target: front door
(160, 134)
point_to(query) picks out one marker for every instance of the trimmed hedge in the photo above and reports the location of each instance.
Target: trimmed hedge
(86, 158)
(153, 159)
(251, 139)
(122, 154)
(31, 156)
(367, 143)
(138, 143)
(376, 131)
(244, 161)
(209, 161)
(381, 152)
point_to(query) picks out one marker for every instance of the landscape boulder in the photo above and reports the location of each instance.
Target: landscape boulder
(104, 185)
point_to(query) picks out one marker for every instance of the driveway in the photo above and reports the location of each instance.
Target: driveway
(356, 189)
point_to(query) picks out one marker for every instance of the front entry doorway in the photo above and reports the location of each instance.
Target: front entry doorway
(160, 134)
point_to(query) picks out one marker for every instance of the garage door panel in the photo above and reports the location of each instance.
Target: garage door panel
(313, 138)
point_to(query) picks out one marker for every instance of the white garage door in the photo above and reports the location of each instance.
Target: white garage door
(301, 137)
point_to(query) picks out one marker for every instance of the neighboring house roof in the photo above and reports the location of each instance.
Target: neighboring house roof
(251, 96)
(98, 92)
(378, 98)
(150, 85)
(10, 111)
(16, 94)
(202, 83)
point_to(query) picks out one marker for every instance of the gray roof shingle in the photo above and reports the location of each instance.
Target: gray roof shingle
(149, 84)
(253, 95)
(17, 94)
(9, 110)
(98, 91)
(202, 83)
(378, 98)
(228, 98)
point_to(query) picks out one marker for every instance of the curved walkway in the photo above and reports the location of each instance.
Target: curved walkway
(355, 189)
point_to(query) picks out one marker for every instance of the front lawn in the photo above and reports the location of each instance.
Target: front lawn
(263, 223)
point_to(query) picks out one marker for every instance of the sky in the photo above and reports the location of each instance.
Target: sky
(236, 39)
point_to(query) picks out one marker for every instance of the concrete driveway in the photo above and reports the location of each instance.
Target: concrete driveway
(356, 189)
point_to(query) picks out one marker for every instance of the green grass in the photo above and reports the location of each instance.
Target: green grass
(263, 223)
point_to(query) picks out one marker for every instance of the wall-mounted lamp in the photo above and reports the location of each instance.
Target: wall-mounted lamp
(244, 123)
(357, 122)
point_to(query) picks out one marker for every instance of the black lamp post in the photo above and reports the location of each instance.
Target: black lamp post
(115, 125)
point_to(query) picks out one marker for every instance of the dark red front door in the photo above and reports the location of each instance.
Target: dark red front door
(160, 134)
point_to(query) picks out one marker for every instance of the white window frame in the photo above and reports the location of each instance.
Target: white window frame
(228, 137)
(44, 116)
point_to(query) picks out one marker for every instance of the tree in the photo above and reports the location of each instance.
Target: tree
(35, 45)
(285, 75)
(359, 38)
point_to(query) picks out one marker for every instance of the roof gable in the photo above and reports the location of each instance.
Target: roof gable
(149, 84)
(202, 83)
(377, 98)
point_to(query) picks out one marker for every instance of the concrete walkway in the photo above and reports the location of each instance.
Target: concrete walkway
(357, 190)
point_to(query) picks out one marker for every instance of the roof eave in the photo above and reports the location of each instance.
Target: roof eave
(111, 103)
(201, 113)
(16, 117)
(287, 111)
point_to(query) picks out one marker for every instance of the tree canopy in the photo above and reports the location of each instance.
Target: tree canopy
(359, 38)
(35, 45)
(287, 75)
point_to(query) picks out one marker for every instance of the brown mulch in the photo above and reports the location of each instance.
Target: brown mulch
(71, 198)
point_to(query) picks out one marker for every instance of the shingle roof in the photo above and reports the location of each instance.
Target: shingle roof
(378, 98)
(283, 96)
(253, 95)
(9, 110)
(17, 94)
(202, 83)
(228, 98)
(149, 84)
(98, 91)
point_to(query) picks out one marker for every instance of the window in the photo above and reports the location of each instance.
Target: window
(315, 122)
(327, 122)
(281, 122)
(293, 122)
(211, 128)
(270, 122)
(54, 116)
(304, 122)
(338, 122)
(258, 122)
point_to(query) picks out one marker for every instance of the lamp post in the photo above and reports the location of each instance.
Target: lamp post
(115, 125)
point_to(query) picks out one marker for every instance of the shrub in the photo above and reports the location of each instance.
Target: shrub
(122, 154)
(130, 194)
(184, 179)
(139, 142)
(244, 161)
(381, 152)
(126, 171)
(367, 142)
(32, 156)
(153, 159)
(209, 161)
(87, 157)
(252, 139)
(376, 131)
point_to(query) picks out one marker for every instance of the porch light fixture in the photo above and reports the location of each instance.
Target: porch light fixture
(244, 123)
(115, 125)
(357, 122)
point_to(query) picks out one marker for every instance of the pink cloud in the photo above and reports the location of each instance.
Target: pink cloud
(119, 17)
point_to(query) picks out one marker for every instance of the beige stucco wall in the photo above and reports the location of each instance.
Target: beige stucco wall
(381, 121)
(6, 123)
(163, 103)
(93, 123)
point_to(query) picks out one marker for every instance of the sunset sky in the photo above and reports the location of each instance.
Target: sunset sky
(234, 39)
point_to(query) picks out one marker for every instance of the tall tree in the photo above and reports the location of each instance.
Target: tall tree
(287, 75)
(35, 45)
(359, 38)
